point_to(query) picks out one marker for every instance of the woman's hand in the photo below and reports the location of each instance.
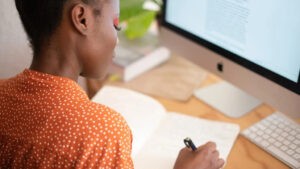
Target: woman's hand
(205, 157)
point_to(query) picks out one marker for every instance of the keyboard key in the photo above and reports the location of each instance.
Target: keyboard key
(298, 150)
(260, 133)
(294, 127)
(283, 148)
(272, 127)
(290, 152)
(275, 122)
(281, 125)
(268, 131)
(266, 136)
(287, 129)
(252, 135)
(293, 146)
(284, 134)
(274, 135)
(286, 142)
(291, 138)
(265, 143)
(260, 126)
(258, 139)
(272, 140)
(254, 129)
(280, 138)
(293, 132)
(277, 144)
(279, 131)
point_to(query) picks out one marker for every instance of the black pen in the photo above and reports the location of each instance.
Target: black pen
(189, 143)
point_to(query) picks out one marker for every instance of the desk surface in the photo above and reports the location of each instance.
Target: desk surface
(244, 154)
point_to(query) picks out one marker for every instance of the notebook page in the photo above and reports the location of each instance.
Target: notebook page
(141, 112)
(161, 150)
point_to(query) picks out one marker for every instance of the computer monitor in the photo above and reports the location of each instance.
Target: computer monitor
(254, 45)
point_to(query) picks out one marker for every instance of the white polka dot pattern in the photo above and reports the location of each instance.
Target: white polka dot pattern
(48, 122)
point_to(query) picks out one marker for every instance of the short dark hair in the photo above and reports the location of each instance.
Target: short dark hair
(40, 19)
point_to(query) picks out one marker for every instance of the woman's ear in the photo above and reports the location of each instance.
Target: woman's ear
(81, 17)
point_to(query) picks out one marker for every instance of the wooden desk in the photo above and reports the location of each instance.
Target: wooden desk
(244, 154)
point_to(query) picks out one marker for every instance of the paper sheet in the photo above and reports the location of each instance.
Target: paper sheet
(158, 135)
(161, 150)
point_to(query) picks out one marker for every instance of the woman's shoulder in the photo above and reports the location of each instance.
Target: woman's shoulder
(3, 81)
(98, 116)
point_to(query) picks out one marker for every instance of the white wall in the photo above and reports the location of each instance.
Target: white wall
(15, 52)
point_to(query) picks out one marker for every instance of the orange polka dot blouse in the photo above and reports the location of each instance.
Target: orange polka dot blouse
(49, 122)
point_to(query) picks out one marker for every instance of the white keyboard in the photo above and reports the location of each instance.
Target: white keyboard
(278, 135)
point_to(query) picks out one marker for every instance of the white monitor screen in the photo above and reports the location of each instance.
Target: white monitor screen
(263, 32)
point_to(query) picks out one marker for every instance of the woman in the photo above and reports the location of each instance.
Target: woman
(46, 119)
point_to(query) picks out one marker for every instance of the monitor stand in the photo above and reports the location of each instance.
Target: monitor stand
(228, 99)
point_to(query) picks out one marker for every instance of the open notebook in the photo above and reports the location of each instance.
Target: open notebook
(158, 135)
